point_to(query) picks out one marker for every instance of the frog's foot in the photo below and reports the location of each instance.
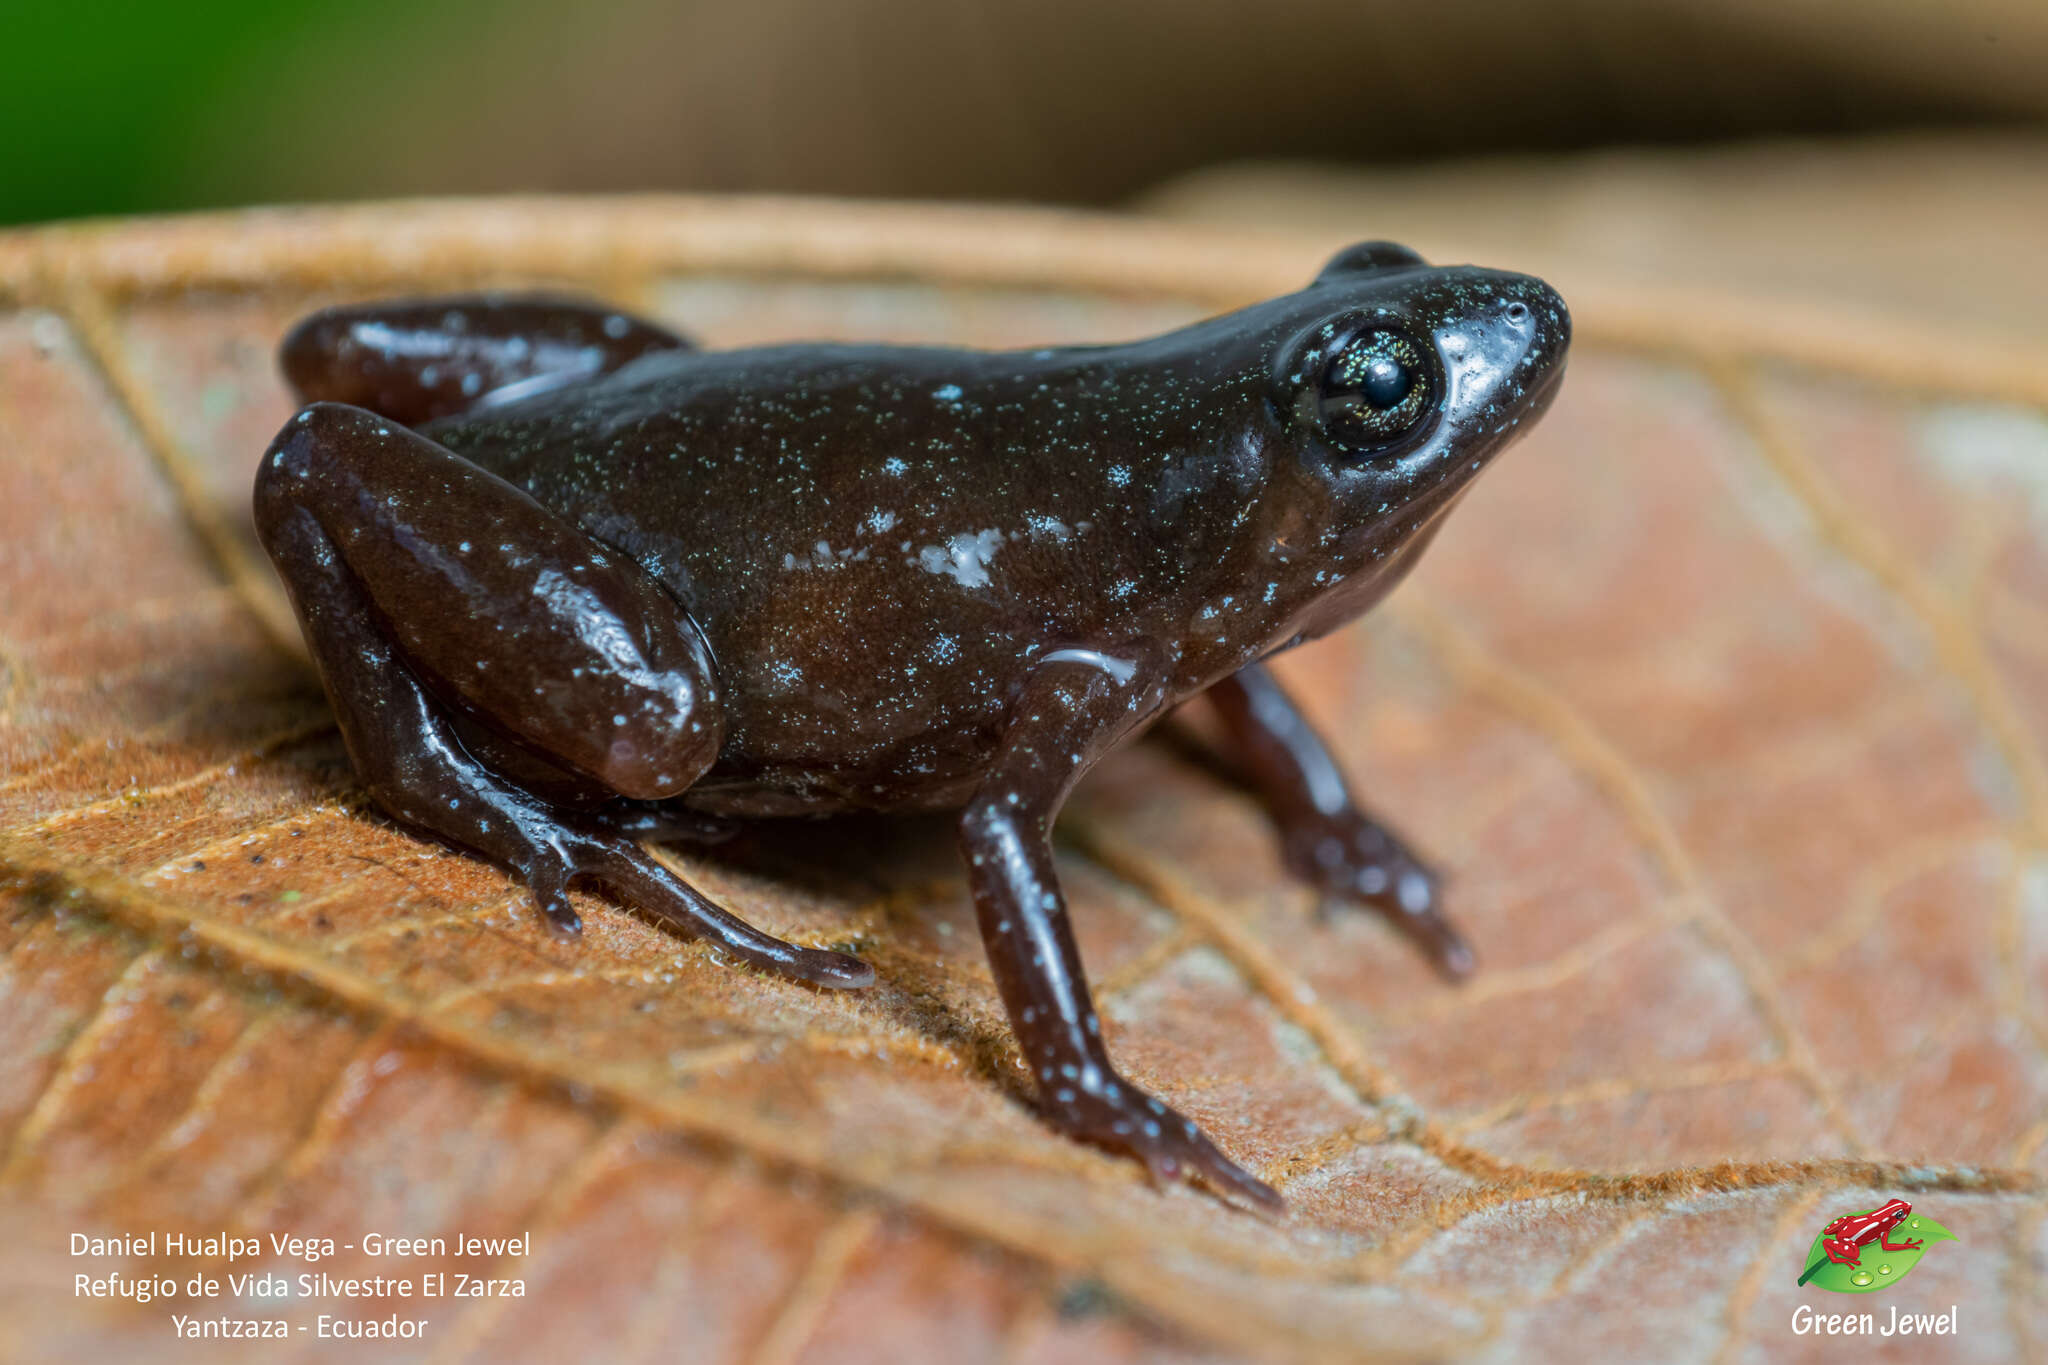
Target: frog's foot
(1842, 1251)
(1116, 1114)
(1910, 1244)
(1351, 858)
(419, 772)
(575, 854)
(1326, 839)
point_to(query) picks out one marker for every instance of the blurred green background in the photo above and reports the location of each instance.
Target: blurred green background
(110, 108)
(120, 108)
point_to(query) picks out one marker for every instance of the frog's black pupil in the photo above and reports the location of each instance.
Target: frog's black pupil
(1386, 383)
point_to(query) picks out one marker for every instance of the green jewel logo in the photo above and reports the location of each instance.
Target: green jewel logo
(1861, 1253)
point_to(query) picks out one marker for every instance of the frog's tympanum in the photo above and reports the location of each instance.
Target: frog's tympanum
(572, 583)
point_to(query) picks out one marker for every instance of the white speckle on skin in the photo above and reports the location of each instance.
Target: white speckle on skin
(1042, 526)
(964, 558)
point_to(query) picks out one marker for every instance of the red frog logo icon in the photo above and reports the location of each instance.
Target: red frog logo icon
(1844, 1239)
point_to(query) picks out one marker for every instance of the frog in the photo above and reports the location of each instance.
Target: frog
(1843, 1240)
(575, 585)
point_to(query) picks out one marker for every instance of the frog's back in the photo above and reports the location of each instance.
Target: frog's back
(876, 541)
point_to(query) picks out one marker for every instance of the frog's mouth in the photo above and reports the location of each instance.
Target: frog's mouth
(1362, 591)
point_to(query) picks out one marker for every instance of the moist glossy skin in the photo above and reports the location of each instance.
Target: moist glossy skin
(571, 583)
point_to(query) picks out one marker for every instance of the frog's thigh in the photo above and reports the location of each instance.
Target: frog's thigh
(501, 607)
(420, 359)
(328, 475)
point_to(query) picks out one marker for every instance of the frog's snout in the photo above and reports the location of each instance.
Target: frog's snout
(1533, 329)
(1534, 310)
(1552, 341)
(1503, 338)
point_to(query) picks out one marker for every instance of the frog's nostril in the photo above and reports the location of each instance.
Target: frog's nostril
(1518, 311)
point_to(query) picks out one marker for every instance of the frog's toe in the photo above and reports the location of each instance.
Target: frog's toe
(1192, 1150)
(631, 873)
(551, 897)
(1438, 938)
(1353, 860)
(1121, 1116)
(835, 971)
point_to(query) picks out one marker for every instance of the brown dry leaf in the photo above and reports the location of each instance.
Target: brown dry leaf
(1725, 696)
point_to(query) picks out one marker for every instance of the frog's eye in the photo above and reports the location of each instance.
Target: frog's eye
(1375, 389)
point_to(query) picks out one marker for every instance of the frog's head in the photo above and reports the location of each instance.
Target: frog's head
(1393, 383)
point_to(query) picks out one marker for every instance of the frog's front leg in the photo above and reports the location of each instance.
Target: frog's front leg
(1884, 1240)
(1073, 707)
(429, 589)
(426, 358)
(1326, 839)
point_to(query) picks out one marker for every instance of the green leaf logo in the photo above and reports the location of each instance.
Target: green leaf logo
(1876, 1268)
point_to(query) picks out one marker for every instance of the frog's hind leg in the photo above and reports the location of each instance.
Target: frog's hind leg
(420, 359)
(429, 589)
